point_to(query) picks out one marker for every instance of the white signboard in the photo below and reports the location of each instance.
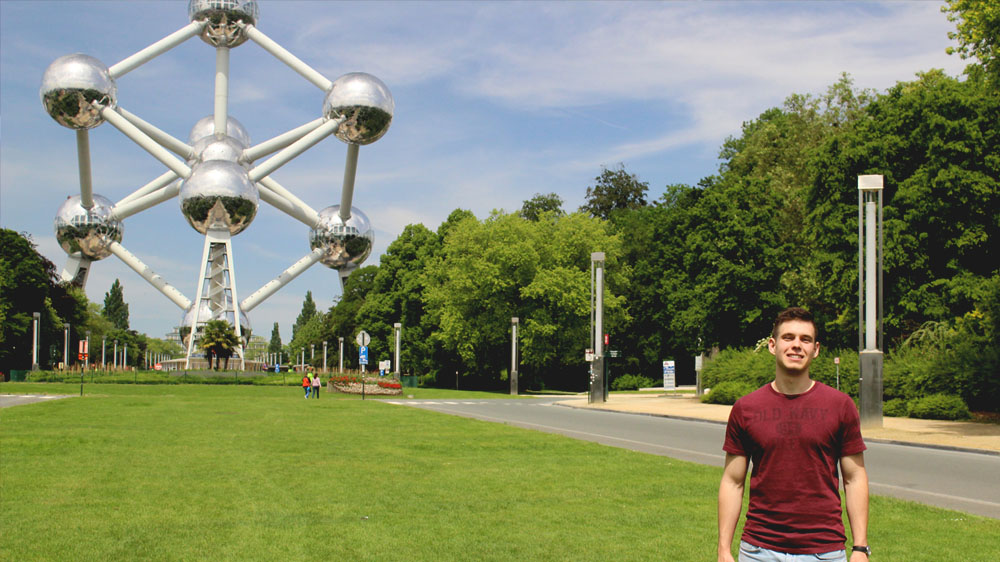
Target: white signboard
(669, 382)
(385, 365)
(363, 339)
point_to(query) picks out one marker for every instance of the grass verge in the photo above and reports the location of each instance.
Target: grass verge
(194, 472)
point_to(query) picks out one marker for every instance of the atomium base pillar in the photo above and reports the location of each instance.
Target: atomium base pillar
(217, 287)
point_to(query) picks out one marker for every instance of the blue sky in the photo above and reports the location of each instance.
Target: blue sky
(495, 102)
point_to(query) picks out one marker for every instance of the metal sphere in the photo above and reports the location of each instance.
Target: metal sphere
(222, 29)
(365, 105)
(205, 314)
(71, 84)
(219, 195)
(218, 147)
(205, 127)
(87, 233)
(345, 246)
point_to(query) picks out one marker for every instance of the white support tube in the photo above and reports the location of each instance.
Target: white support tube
(171, 143)
(871, 301)
(280, 141)
(284, 205)
(146, 143)
(308, 212)
(221, 89)
(350, 172)
(122, 211)
(283, 279)
(294, 149)
(149, 275)
(289, 59)
(155, 185)
(156, 49)
(83, 158)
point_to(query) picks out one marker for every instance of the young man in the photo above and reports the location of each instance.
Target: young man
(794, 431)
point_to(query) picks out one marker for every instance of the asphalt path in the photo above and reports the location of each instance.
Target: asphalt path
(960, 480)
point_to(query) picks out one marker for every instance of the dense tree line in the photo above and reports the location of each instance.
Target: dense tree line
(29, 284)
(707, 266)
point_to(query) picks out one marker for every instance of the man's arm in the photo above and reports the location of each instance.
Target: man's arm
(734, 476)
(856, 496)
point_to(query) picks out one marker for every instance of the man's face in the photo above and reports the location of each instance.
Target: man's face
(795, 347)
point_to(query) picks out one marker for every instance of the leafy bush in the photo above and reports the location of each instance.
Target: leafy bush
(939, 407)
(757, 368)
(632, 382)
(728, 392)
(896, 408)
(739, 364)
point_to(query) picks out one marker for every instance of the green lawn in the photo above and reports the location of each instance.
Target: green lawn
(199, 472)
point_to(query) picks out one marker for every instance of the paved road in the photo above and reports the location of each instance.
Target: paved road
(7, 400)
(953, 479)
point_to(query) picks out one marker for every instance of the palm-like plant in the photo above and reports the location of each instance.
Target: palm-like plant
(219, 339)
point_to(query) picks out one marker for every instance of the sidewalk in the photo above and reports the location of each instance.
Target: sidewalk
(980, 437)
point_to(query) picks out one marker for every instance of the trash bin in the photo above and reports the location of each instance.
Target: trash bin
(18, 375)
(409, 381)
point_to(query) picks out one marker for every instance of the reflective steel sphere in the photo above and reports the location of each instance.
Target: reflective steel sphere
(345, 245)
(206, 315)
(218, 147)
(365, 104)
(222, 15)
(219, 195)
(205, 127)
(87, 233)
(70, 85)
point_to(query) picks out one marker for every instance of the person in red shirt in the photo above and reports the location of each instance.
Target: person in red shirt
(306, 384)
(795, 432)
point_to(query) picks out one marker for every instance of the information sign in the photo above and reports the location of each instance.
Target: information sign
(669, 381)
(363, 354)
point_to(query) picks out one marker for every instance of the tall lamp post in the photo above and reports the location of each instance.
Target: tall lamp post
(65, 345)
(341, 354)
(597, 326)
(397, 329)
(35, 319)
(513, 356)
(324, 356)
(870, 343)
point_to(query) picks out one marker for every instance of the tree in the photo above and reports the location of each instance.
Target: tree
(275, 344)
(219, 340)
(505, 266)
(397, 296)
(935, 140)
(308, 311)
(115, 308)
(614, 190)
(977, 31)
(533, 208)
(30, 285)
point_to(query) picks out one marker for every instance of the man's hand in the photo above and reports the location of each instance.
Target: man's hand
(858, 557)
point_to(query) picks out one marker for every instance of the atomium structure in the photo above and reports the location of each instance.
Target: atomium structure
(218, 176)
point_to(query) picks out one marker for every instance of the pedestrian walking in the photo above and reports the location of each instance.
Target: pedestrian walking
(316, 383)
(306, 384)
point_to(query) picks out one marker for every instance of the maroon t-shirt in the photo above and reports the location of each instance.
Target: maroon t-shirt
(794, 443)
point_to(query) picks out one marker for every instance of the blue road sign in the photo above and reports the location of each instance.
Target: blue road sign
(363, 355)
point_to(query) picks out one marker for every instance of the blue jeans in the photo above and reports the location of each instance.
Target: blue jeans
(751, 553)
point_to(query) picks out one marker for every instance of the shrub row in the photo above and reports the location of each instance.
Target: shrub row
(910, 386)
(633, 382)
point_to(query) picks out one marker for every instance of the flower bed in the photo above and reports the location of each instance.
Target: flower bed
(351, 384)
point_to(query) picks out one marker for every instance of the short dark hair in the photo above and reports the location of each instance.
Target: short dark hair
(794, 313)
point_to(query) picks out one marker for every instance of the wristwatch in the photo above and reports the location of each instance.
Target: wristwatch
(866, 549)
